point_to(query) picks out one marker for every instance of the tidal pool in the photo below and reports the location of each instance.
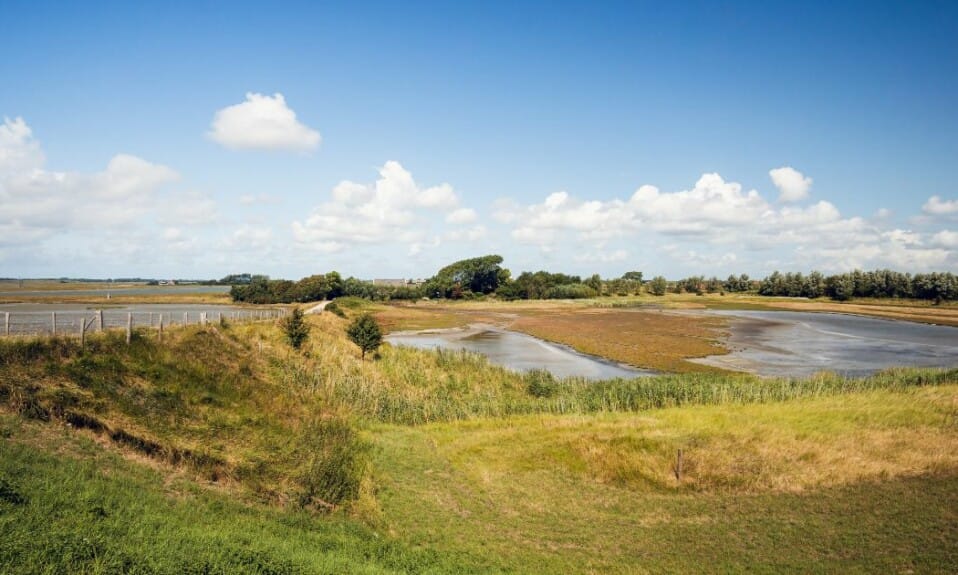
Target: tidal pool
(789, 343)
(518, 352)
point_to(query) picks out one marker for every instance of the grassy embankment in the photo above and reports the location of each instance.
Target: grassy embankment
(221, 451)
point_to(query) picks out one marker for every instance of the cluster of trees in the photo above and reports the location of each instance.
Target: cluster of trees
(545, 285)
(934, 286)
(482, 275)
(262, 290)
(485, 275)
(873, 284)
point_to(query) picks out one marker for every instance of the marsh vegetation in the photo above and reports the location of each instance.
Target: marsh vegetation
(222, 449)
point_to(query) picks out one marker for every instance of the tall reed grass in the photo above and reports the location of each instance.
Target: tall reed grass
(411, 387)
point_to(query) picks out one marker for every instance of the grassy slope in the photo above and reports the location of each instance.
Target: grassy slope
(856, 476)
(67, 505)
(854, 484)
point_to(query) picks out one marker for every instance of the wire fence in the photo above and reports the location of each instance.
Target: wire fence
(81, 322)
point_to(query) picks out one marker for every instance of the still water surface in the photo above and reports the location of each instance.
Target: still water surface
(519, 352)
(789, 343)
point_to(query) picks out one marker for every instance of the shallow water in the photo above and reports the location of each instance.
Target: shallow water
(520, 352)
(36, 318)
(116, 291)
(788, 343)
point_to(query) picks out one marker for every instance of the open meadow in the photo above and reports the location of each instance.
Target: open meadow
(224, 450)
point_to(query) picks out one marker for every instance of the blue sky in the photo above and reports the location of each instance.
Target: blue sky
(386, 139)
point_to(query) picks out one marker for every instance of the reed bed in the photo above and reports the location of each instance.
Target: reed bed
(412, 387)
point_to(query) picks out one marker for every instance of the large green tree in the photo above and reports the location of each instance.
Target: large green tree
(480, 275)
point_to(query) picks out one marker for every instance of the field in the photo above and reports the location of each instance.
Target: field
(222, 450)
(53, 291)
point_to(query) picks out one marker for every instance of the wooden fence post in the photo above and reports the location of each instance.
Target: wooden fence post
(129, 327)
(678, 466)
(99, 320)
(202, 318)
(160, 329)
(151, 319)
(186, 318)
(53, 323)
(6, 323)
(85, 325)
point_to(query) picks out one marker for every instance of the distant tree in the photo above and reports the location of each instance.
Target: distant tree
(658, 285)
(295, 328)
(365, 332)
(595, 282)
(634, 276)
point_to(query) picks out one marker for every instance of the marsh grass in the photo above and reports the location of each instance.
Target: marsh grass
(221, 450)
(411, 386)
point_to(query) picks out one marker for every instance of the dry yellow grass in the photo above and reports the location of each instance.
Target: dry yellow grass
(651, 339)
(783, 447)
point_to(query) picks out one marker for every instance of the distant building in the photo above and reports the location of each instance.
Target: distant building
(398, 282)
(389, 282)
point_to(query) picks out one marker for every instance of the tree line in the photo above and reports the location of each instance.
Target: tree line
(484, 276)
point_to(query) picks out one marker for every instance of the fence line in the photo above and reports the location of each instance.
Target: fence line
(79, 323)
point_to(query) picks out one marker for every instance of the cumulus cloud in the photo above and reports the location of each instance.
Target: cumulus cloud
(262, 123)
(935, 206)
(395, 208)
(46, 203)
(716, 212)
(792, 185)
(945, 239)
(128, 215)
(713, 204)
(19, 152)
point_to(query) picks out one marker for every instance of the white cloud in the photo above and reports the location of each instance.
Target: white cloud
(715, 213)
(615, 256)
(462, 216)
(48, 203)
(792, 185)
(945, 239)
(127, 217)
(935, 206)
(472, 234)
(19, 152)
(263, 123)
(254, 199)
(393, 209)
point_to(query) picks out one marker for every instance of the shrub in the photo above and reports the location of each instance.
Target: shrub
(295, 328)
(365, 332)
(541, 383)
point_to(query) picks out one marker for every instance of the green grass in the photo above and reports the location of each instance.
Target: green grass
(807, 486)
(83, 510)
(221, 450)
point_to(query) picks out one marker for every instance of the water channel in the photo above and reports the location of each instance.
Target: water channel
(518, 352)
(790, 343)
